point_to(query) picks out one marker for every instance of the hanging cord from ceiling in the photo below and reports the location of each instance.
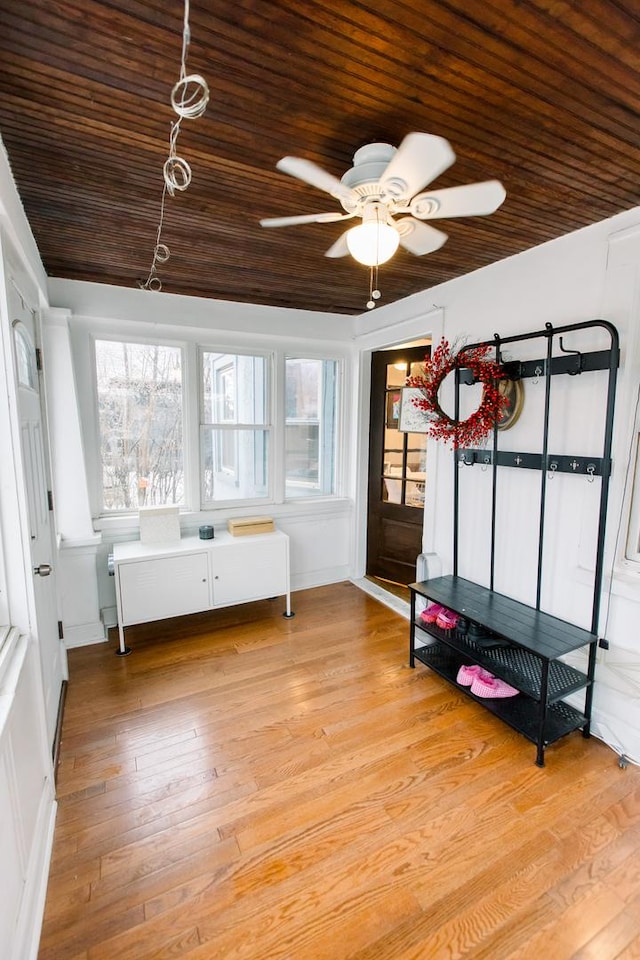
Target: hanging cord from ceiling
(189, 99)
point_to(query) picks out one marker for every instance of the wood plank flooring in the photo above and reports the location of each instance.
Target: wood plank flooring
(246, 787)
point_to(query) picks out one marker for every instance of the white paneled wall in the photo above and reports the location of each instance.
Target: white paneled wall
(27, 805)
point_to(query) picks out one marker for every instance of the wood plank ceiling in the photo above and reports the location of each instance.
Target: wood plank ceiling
(543, 95)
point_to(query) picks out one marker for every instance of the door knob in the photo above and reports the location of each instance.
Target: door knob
(43, 570)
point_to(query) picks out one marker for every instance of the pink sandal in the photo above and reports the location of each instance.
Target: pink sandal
(447, 620)
(492, 688)
(467, 675)
(431, 614)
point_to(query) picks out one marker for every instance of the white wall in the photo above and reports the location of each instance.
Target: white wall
(320, 531)
(593, 273)
(173, 310)
(27, 801)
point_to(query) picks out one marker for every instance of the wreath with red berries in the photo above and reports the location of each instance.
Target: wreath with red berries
(444, 359)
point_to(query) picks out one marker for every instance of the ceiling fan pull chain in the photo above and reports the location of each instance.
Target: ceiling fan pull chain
(371, 302)
(374, 293)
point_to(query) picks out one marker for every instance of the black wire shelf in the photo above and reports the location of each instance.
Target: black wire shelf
(518, 667)
(520, 712)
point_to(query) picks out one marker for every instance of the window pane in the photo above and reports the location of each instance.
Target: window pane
(234, 389)
(632, 551)
(140, 420)
(396, 374)
(310, 427)
(234, 464)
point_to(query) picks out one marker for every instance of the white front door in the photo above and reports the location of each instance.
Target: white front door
(33, 445)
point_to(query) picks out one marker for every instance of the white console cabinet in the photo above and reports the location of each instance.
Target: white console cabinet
(156, 581)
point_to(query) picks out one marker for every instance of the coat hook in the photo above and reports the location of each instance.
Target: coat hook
(591, 470)
(573, 373)
(537, 373)
(553, 466)
(486, 460)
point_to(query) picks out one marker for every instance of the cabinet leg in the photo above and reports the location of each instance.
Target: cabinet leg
(123, 650)
(540, 756)
(288, 612)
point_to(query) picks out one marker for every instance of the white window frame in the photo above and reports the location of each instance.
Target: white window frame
(269, 426)
(95, 472)
(302, 355)
(84, 338)
(630, 548)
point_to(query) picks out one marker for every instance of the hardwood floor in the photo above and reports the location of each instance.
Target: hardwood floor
(246, 787)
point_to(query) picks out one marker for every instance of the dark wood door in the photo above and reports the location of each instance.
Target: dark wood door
(397, 471)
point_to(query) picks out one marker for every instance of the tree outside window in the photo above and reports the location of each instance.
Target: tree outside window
(140, 418)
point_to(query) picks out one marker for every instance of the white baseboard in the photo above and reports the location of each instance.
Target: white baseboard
(389, 599)
(29, 926)
(84, 634)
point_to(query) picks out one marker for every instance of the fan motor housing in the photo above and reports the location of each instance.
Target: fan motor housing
(369, 163)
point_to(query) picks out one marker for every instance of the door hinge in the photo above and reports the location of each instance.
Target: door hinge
(38, 359)
(50, 499)
(60, 630)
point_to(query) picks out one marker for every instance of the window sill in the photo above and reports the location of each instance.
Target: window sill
(126, 526)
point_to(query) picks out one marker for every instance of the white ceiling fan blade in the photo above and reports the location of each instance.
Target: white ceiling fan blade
(339, 248)
(304, 218)
(420, 158)
(469, 200)
(315, 175)
(418, 238)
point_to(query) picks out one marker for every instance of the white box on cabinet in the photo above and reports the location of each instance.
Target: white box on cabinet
(159, 524)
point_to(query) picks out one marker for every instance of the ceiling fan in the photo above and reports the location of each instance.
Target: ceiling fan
(382, 188)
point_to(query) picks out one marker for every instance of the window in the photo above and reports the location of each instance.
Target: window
(25, 356)
(140, 406)
(234, 427)
(632, 551)
(194, 426)
(310, 427)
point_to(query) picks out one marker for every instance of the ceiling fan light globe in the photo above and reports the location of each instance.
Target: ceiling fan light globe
(372, 243)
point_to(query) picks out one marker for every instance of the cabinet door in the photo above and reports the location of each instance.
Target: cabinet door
(250, 570)
(164, 587)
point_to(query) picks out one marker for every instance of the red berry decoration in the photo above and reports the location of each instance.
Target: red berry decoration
(474, 430)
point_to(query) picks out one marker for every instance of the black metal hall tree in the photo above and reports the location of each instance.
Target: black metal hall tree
(534, 641)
